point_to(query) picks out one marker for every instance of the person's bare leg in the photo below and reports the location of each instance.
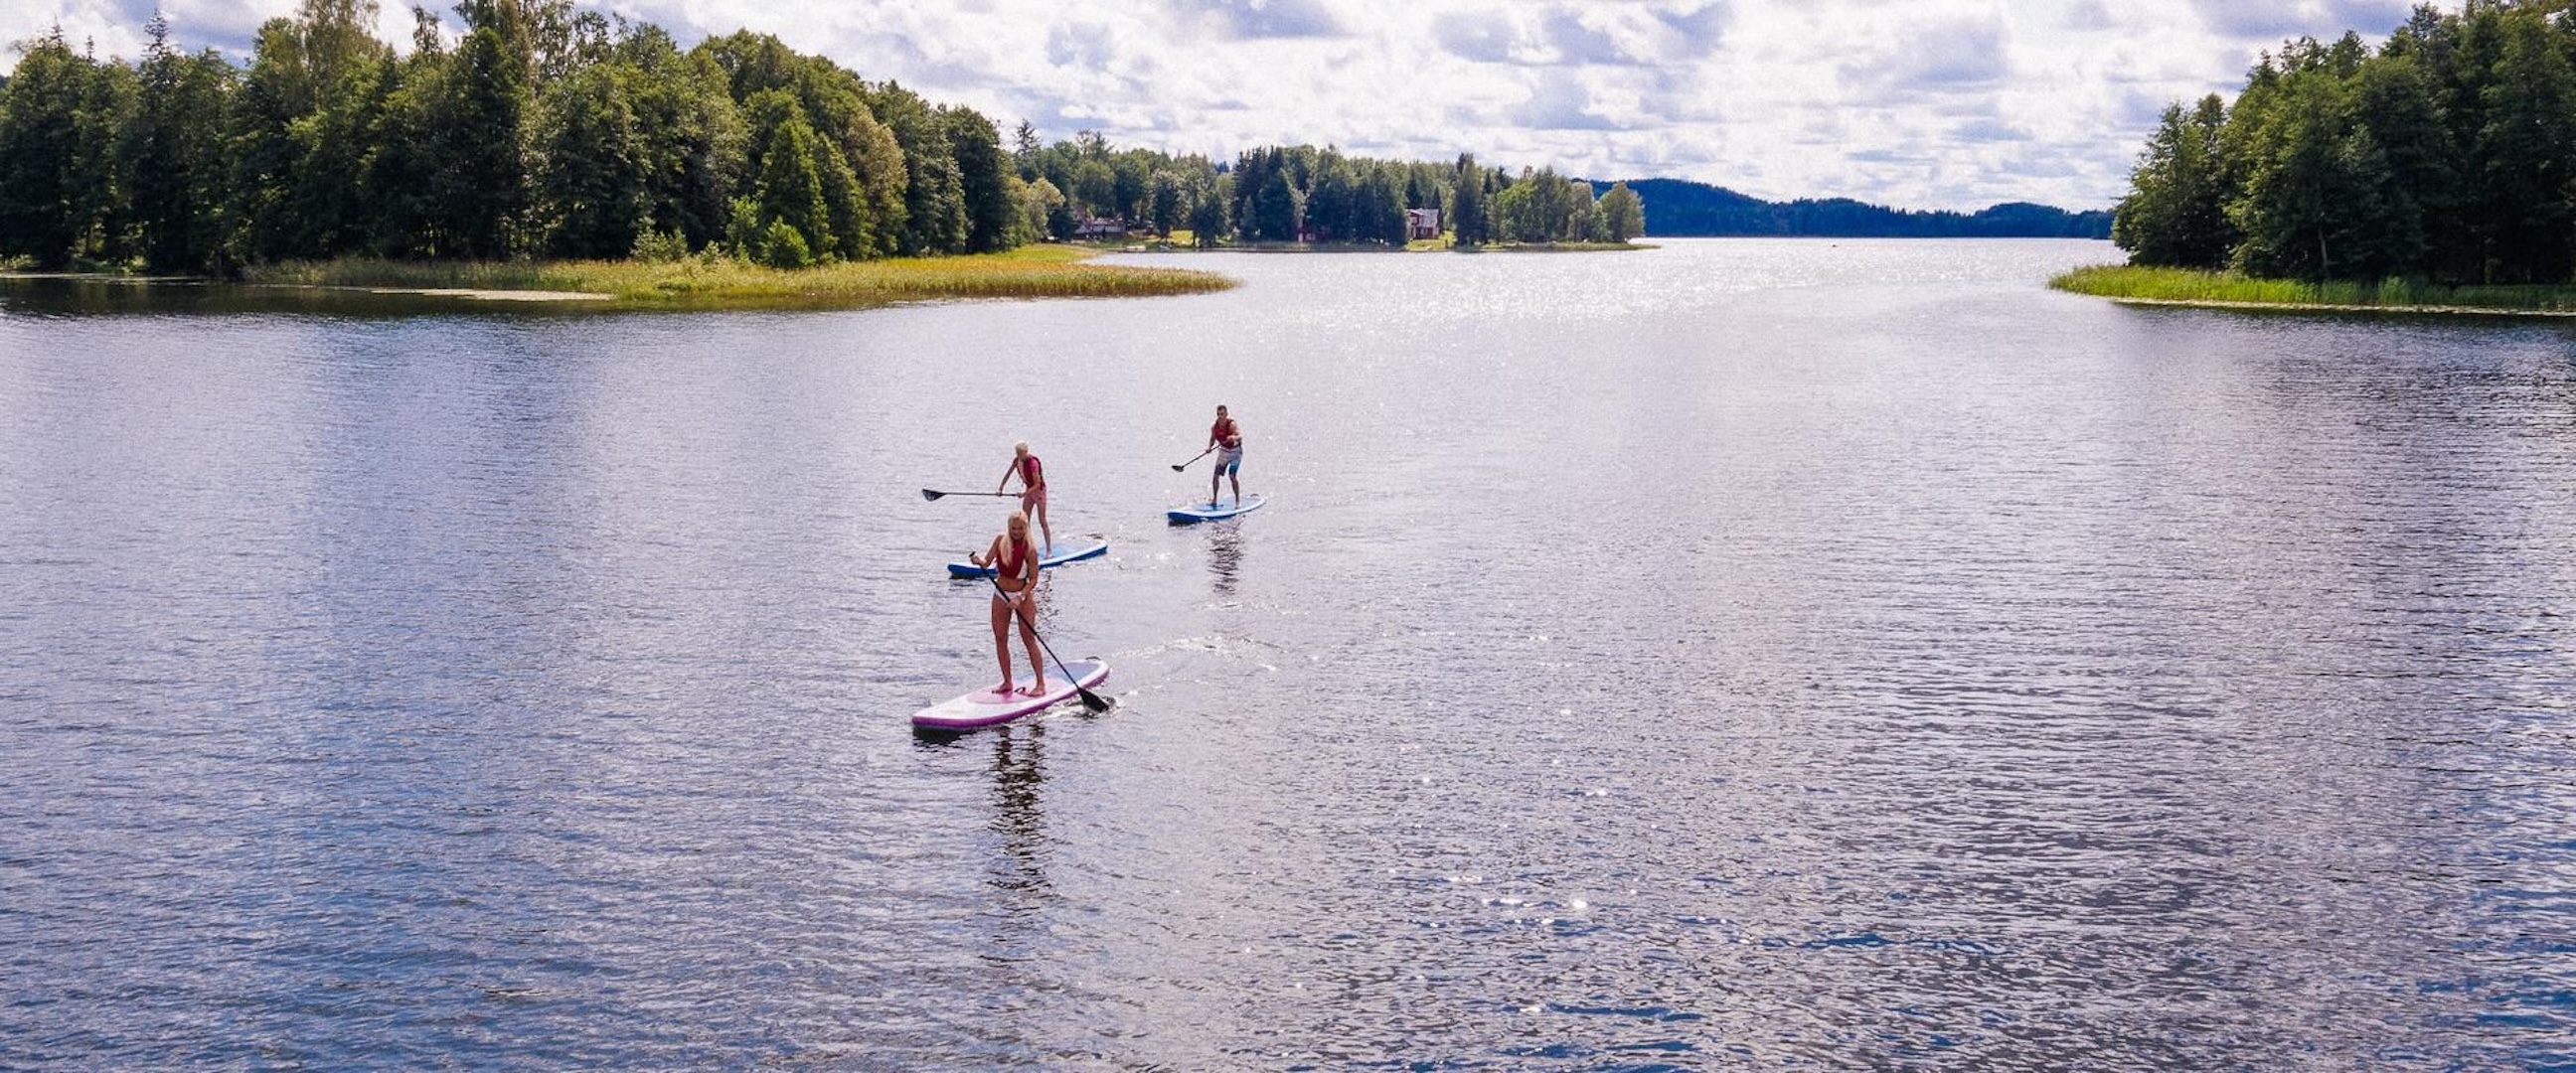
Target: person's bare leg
(1029, 644)
(1002, 642)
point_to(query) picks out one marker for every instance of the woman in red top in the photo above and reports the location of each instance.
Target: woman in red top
(1033, 488)
(1015, 595)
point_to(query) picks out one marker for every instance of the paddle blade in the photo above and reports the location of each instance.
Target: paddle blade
(1092, 701)
(931, 496)
(1179, 467)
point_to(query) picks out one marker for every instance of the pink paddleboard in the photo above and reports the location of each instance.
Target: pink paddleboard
(984, 707)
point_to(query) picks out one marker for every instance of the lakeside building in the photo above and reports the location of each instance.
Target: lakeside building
(1422, 223)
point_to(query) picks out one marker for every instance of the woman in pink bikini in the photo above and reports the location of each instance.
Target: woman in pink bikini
(1033, 489)
(1015, 595)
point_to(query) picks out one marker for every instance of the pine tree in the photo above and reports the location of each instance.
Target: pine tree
(178, 156)
(1277, 210)
(1468, 222)
(789, 189)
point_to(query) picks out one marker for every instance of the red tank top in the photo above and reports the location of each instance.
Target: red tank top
(1032, 475)
(1011, 560)
(1223, 432)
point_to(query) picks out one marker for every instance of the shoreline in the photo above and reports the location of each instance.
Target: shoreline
(1420, 245)
(2189, 288)
(701, 283)
(469, 293)
(2329, 307)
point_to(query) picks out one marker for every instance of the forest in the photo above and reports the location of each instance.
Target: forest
(2444, 156)
(531, 129)
(1698, 209)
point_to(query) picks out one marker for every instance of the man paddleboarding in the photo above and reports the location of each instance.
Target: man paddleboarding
(1015, 595)
(1033, 490)
(1226, 438)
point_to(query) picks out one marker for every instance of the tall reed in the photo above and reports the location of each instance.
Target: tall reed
(2185, 285)
(717, 282)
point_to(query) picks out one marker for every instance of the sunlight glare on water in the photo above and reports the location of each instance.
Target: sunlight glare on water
(1760, 653)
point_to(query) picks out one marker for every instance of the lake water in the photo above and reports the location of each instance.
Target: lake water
(1739, 654)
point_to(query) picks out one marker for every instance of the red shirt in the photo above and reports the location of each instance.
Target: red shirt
(1032, 475)
(1225, 434)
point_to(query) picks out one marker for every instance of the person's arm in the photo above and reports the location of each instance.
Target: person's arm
(1014, 467)
(991, 552)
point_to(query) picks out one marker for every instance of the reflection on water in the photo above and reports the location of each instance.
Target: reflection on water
(31, 296)
(1225, 554)
(1019, 816)
(1739, 654)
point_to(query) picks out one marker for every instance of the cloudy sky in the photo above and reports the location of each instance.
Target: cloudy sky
(1918, 103)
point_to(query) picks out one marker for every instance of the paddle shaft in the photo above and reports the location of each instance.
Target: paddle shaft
(934, 496)
(1089, 700)
(1194, 458)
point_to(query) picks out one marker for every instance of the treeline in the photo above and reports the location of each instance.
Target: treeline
(535, 130)
(2446, 155)
(1684, 208)
(541, 131)
(1305, 194)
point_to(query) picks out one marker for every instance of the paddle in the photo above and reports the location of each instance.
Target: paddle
(1090, 700)
(934, 496)
(1193, 458)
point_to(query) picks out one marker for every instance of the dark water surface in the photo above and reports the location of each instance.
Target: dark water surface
(1741, 654)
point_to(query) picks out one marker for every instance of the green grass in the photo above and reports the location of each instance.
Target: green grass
(2229, 288)
(1044, 271)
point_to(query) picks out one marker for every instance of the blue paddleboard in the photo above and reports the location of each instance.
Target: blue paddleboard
(1212, 512)
(1074, 549)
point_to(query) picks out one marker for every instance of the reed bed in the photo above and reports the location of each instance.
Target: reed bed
(2229, 288)
(716, 282)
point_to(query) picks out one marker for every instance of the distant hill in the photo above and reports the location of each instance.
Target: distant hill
(1677, 208)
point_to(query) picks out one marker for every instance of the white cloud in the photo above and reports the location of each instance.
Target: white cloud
(1922, 103)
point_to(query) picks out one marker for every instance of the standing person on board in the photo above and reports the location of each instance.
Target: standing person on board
(1226, 437)
(1033, 489)
(1015, 595)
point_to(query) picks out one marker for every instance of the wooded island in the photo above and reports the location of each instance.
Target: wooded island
(2437, 170)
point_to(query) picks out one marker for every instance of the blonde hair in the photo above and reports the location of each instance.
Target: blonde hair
(1020, 448)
